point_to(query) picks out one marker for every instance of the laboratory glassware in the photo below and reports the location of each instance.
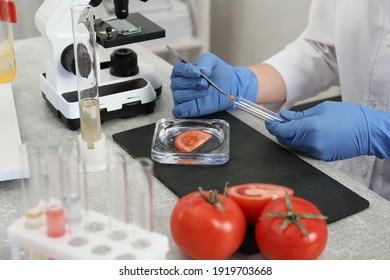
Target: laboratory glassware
(7, 55)
(74, 197)
(215, 151)
(32, 187)
(92, 142)
(117, 197)
(142, 201)
(53, 192)
(255, 109)
(32, 190)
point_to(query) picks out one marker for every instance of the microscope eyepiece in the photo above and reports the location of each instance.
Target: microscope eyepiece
(121, 8)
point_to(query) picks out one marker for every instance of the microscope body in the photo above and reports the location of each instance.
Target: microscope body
(120, 96)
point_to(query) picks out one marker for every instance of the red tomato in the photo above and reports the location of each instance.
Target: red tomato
(291, 242)
(252, 198)
(190, 140)
(202, 231)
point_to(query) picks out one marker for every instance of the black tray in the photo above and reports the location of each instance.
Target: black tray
(253, 158)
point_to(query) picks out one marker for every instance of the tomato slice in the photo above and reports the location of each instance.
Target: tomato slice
(190, 140)
(253, 197)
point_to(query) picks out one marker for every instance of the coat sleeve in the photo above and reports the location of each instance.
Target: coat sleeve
(309, 64)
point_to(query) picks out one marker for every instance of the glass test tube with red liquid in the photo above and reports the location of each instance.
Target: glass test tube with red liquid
(55, 213)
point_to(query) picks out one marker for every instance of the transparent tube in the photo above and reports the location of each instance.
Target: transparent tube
(7, 55)
(142, 199)
(255, 109)
(32, 187)
(86, 70)
(55, 212)
(118, 197)
(74, 198)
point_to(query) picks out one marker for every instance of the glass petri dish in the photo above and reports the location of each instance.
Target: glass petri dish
(214, 152)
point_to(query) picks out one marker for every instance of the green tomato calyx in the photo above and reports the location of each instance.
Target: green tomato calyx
(212, 198)
(292, 218)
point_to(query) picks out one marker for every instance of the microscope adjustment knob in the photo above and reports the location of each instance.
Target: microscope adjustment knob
(69, 63)
(67, 59)
(124, 63)
(109, 32)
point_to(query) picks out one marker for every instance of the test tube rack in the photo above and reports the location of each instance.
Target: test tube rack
(98, 245)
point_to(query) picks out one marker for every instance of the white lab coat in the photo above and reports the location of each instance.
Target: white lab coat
(346, 44)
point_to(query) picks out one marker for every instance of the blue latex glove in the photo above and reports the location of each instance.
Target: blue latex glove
(334, 131)
(193, 96)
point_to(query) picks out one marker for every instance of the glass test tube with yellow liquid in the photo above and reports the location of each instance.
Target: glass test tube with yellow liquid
(92, 139)
(32, 187)
(7, 55)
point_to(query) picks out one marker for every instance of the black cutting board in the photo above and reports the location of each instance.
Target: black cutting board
(253, 158)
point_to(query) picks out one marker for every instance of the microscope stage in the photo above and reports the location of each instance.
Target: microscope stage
(148, 31)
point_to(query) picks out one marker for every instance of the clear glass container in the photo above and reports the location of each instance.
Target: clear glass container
(86, 70)
(118, 208)
(255, 109)
(74, 196)
(7, 55)
(215, 152)
(53, 184)
(141, 187)
(32, 187)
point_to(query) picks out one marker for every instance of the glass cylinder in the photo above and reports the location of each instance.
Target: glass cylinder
(74, 197)
(7, 55)
(142, 200)
(255, 109)
(118, 197)
(87, 71)
(32, 187)
(53, 176)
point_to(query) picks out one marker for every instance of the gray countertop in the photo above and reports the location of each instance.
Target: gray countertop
(365, 235)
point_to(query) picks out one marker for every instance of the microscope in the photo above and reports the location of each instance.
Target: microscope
(126, 88)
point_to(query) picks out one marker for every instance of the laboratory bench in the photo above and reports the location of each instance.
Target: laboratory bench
(364, 235)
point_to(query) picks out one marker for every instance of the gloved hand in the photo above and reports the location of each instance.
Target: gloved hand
(334, 131)
(193, 96)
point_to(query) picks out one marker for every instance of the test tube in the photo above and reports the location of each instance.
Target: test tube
(86, 70)
(74, 195)
(118, 197)
(92, 140)
(255, 109)
(32, 187)
(142, 199)
(55, 212)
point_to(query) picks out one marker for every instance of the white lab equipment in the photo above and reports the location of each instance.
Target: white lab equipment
(120, 95)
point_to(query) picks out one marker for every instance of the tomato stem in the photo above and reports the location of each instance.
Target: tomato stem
(212, 198)
(292, 218)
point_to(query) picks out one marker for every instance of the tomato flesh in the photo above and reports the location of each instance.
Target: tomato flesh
(252, 198)
(203, 232)
(291, 243)
(191, 140)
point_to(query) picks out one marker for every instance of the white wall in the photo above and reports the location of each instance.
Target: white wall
(246, 32)
(25, 27)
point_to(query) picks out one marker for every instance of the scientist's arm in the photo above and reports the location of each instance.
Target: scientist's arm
(305, 68)
(272, 87)
(308, 66)
(335, 130)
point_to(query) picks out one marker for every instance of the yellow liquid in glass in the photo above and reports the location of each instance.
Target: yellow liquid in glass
(7, 66)
(90, 122)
